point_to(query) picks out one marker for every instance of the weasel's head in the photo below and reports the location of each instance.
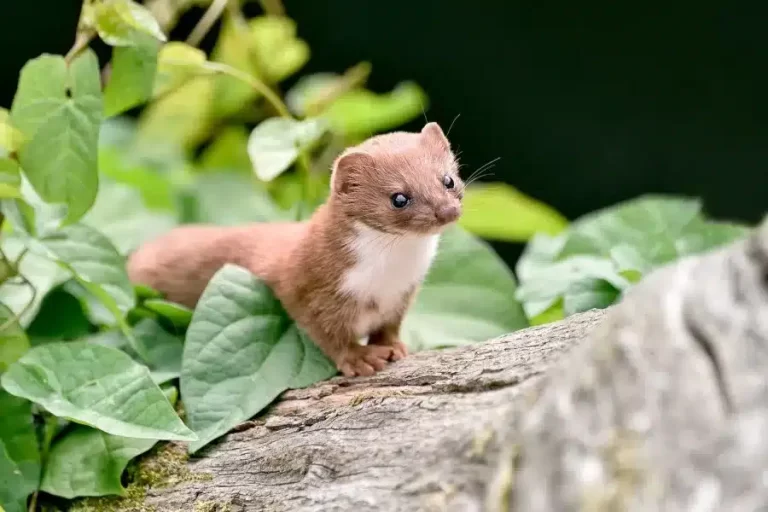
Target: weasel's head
(400, 182)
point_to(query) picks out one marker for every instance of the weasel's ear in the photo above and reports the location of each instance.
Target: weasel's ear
(349, 170)
(434, 133)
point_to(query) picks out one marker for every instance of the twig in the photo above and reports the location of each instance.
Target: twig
(259, 86)
(17, 318)
(211, 15)
(82, 40)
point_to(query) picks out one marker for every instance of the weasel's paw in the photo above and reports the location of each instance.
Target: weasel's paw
(399, 350)
(365, 360)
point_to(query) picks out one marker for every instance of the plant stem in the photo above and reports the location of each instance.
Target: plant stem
(24, 310)
(211, 15)
(33, 502)
(82, 40)
(259, 86)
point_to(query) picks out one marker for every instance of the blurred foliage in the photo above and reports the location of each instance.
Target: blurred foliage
(602, 254)
(83, 351)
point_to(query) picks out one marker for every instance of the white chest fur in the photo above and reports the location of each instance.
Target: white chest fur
(386, 268)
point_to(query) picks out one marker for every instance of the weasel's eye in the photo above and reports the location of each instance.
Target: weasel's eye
(400, 200)
(447, 181)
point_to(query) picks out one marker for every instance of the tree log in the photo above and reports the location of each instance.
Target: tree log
(657, 403)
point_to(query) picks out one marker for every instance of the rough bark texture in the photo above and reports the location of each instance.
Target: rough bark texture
(659, 403)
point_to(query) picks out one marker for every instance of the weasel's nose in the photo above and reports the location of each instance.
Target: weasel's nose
(447, 214)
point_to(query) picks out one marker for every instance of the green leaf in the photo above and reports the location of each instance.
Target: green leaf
(276, 143)
(89, 462)
(468, 296)
(650, 224)
(278, 50)
(59, 109)
(181, 117)
(180, 316)
(132, 77)
(497, 211)
(177, 64)
(13, 340)
(241, 351)
(361, 113)
(603, 253)
(120, 213)
(17, 435)
(95, 263)
(10, 179)
(542, 288)
(233, 198)
(155, 188)
(119, 22)
(161, 350)
(700, 236)
(97, 386)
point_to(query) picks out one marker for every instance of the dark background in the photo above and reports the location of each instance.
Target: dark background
(587, 104)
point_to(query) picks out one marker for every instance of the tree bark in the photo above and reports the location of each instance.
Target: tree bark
(657, 403)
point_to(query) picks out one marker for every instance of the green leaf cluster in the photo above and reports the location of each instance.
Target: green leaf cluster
(599, 256)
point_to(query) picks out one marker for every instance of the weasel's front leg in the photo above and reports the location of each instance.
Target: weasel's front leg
(389, 336)
(351, 358)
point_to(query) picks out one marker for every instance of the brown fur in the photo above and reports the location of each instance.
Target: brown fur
(305, 262)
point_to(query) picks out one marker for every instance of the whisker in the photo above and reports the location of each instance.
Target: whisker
(452, 122)
(424, 112)
(476, 178)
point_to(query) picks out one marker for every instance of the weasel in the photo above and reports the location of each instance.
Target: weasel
(351, 271)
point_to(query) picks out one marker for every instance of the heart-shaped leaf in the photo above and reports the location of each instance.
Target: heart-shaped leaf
(88, 462)
(97, 386)
(467, 297)
(241, 351)
(58, 108)
(277, 142)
